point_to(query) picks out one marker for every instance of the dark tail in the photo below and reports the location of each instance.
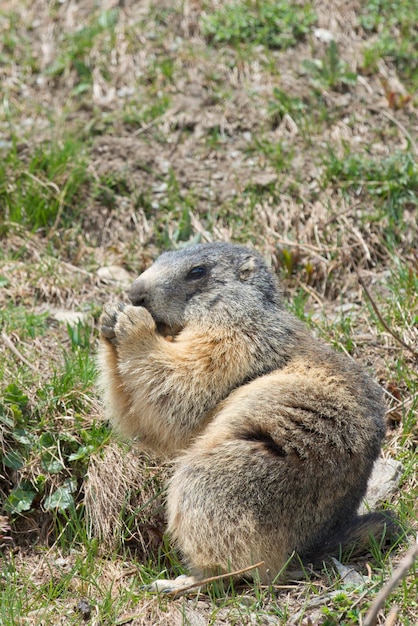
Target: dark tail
(379, 528)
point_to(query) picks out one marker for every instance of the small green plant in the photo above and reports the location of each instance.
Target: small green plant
(298, 306)
(343, 612)
(331, 71)
(284, 104)
(278, 154)
(272, 24)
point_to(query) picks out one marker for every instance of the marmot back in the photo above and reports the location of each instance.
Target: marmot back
(275, 434)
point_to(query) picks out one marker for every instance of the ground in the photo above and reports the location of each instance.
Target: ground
(128, 128)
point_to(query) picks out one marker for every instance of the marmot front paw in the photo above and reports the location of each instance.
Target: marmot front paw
(122, 321)
(134, 322)
(108, 321)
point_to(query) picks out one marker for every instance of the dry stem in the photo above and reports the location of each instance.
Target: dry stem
(9, 344)
(382, 321)
(394, 580)
(211, 579)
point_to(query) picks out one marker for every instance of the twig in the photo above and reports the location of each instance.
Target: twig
(363, 244)
(397, 123)
(303, 246)
(150, 124)
(61, 205)
(401, 404)
(310, 291)
(205, 581)
(382, 321)
(9, 344)
(126, 619)
(128, 572)
(391, 618)
(75, 268)
(397, 576)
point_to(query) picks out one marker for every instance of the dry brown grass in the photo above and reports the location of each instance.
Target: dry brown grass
(121, 484)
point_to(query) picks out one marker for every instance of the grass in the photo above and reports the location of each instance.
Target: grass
(397, 35)
(77, 47)
(40, 189)
(389, 186)
(124, 133)
(51, 458)
(271, 24)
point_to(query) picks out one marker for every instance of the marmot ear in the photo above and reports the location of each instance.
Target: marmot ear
(247, 268)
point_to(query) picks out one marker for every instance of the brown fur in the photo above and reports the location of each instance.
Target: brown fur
(275, 435)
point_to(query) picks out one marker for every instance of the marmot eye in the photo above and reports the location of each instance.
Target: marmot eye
(196, 272)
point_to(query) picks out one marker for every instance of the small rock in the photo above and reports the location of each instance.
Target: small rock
(348, 306)
(69, 317)
(349, 576)
(324, 35)
(160, 187)
(83, 607)
(383, 481)
(124, 92)
(114, 273)
(264, 179)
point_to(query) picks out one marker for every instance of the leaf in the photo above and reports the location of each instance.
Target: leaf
(22, 436)
(350, 78)
(20, 499)
(61, 499)
(46, 440)
(13, 460)
(13, 395)
(81, 453)
(81, 88)
(108, 18)
(51, 463)
(4, 419)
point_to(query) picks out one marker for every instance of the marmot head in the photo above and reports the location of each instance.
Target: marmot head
(217, 283)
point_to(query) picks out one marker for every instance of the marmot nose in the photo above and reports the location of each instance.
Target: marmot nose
(138, 295)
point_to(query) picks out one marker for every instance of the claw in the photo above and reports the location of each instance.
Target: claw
(107, 331)
(178, 585)
(109, 319)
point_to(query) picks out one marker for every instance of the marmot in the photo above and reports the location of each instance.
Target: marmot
(274, 434)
